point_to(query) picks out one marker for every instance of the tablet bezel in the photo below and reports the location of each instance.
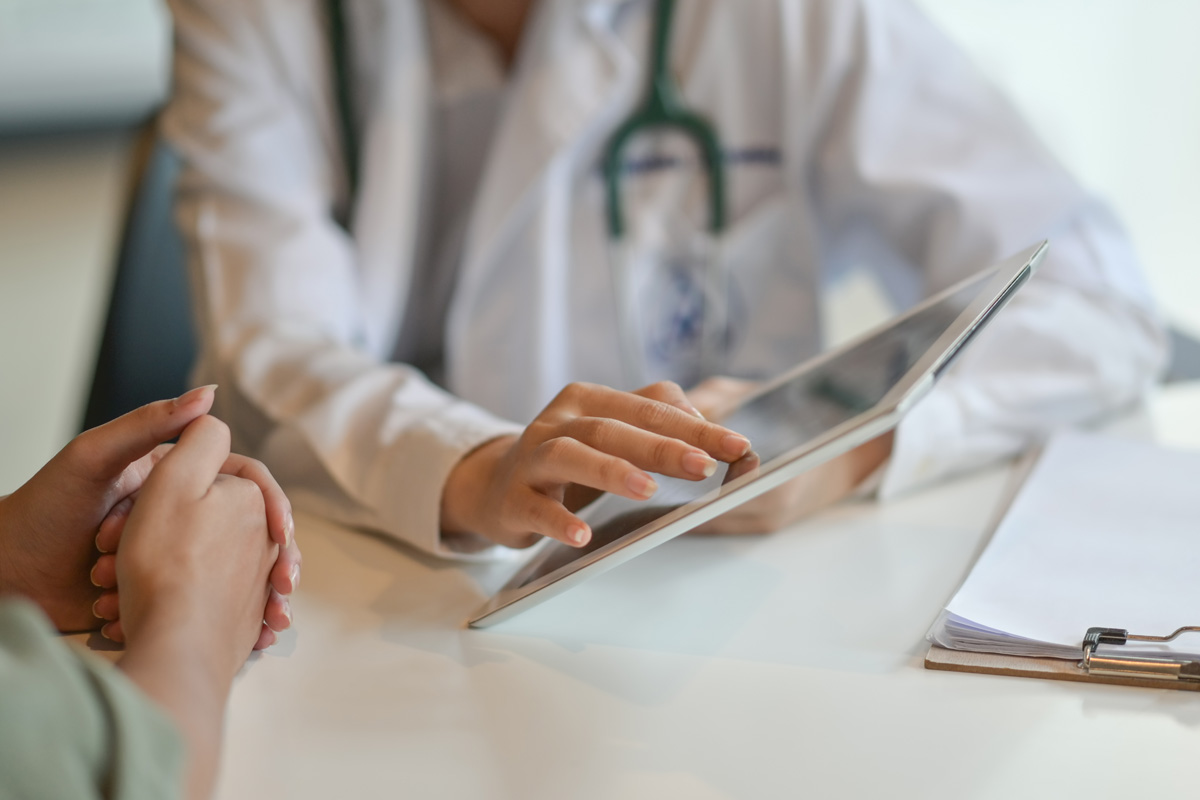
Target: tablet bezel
(1010, 274)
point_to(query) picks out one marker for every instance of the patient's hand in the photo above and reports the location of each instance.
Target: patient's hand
(48, 526)
(800, 497)
(51, 527)
(194, 563)
(285, 575)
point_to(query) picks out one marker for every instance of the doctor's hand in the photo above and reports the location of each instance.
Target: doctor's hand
(803, 495)
(589, 439)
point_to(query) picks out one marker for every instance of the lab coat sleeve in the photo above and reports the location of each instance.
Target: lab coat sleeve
(279, 297)
(925, 172)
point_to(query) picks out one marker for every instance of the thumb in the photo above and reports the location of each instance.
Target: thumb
(192, 465)
(103, 452)
(716, 397)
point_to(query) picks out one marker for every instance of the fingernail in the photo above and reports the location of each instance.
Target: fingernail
(106, 632)
(98, 547)
(289, 529)
(696, 411)
(287, 612)
(294, 577)
(578, 535)
(194, 395)
(92, 576)
(699, 464)
(641, 484)
(735, 445)
(96, 613)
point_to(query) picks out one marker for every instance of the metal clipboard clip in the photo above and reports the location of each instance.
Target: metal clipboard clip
(1166, 669)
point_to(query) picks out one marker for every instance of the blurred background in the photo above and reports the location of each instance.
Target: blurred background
(1109, 84)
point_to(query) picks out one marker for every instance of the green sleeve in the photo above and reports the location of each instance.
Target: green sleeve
(73, 726)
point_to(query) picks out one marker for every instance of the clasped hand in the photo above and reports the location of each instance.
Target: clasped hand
(60, 531)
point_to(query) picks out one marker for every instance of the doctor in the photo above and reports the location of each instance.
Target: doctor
(398, 353)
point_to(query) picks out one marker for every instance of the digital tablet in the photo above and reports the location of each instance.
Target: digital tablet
(811, 414)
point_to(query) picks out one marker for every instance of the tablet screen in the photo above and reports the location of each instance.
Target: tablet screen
(777, 422)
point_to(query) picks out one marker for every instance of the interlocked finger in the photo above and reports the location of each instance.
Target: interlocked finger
(104, 573)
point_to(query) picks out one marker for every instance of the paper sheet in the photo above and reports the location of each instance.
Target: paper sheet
(1104, 532)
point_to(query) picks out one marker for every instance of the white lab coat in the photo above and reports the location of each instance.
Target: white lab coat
(890, 152)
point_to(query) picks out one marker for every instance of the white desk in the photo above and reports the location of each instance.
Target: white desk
(781, 666)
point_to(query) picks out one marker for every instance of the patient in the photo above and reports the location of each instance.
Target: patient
(199, 541)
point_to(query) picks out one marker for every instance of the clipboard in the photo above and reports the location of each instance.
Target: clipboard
(1093, 666)
(1100, 659)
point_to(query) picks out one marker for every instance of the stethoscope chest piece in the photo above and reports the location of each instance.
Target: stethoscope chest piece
(670, 286)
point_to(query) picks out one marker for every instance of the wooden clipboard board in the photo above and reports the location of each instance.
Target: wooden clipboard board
(1054, 669)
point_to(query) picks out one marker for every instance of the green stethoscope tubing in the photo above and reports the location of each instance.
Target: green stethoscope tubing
(662, 109)
(339, 47)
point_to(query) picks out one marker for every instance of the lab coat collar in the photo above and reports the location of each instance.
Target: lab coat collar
(575, 79)
(573, 72)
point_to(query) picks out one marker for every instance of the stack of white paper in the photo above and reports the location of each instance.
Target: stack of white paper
(1104, 532)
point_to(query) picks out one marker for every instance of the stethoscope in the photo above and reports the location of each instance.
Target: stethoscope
(662, 109)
